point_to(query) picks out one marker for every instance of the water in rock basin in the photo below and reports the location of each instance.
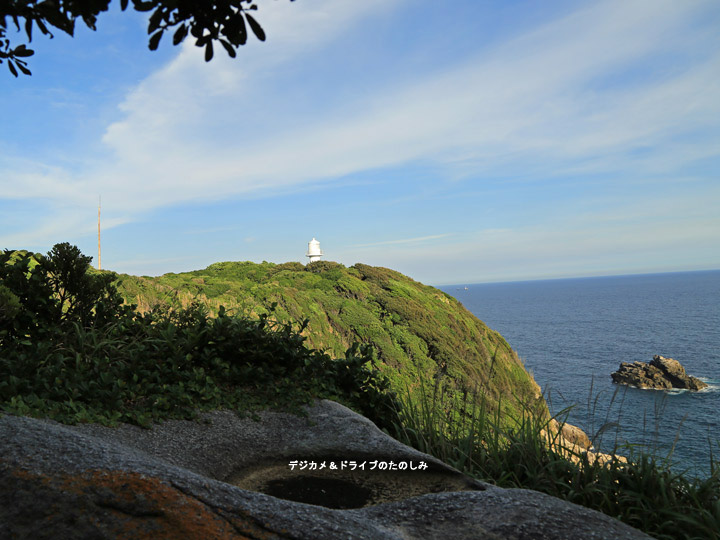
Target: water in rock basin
(572, 333)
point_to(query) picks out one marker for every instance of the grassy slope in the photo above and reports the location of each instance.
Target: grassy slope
(418, 332)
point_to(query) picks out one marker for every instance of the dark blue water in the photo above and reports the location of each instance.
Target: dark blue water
(572, 333)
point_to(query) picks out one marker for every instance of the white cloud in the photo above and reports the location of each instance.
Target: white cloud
(531, 253)
(547, 99)
(529, 96)
(658, 232)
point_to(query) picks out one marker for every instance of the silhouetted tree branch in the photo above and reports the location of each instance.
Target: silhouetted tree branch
(227, 22)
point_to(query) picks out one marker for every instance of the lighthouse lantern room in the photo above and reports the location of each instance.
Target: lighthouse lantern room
(314, 252)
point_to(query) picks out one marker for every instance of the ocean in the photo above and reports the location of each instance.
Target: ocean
(573, 333)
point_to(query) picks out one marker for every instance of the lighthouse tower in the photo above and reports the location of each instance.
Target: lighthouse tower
(314, 252)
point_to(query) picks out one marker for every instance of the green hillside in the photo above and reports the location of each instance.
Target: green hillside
(420, 334)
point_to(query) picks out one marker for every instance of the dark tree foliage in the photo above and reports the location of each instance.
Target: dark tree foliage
(227, 22)
(40, 295)
(81, 296)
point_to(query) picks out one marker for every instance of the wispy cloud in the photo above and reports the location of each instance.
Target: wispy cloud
(530, 96)
(658, 232)
(506, 255)
(417, 240)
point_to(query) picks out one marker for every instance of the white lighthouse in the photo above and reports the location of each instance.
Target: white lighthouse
(314, 252)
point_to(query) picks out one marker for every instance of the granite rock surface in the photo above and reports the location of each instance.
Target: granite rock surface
(210, 478)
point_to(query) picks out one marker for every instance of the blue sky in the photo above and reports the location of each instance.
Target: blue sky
(457, 142)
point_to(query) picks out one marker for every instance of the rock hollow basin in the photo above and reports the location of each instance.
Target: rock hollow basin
(572, 333)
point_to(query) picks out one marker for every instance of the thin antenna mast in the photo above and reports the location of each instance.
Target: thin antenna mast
(99, 256)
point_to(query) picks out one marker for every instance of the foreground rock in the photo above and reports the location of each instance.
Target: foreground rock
(659, 374)
(177, 481)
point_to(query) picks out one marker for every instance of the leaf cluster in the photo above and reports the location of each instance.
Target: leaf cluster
(227, 22)
(45, 15)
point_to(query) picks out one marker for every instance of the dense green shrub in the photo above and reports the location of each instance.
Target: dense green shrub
(54, 292)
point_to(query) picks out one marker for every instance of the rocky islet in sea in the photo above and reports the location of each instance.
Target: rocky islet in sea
(659, 374)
